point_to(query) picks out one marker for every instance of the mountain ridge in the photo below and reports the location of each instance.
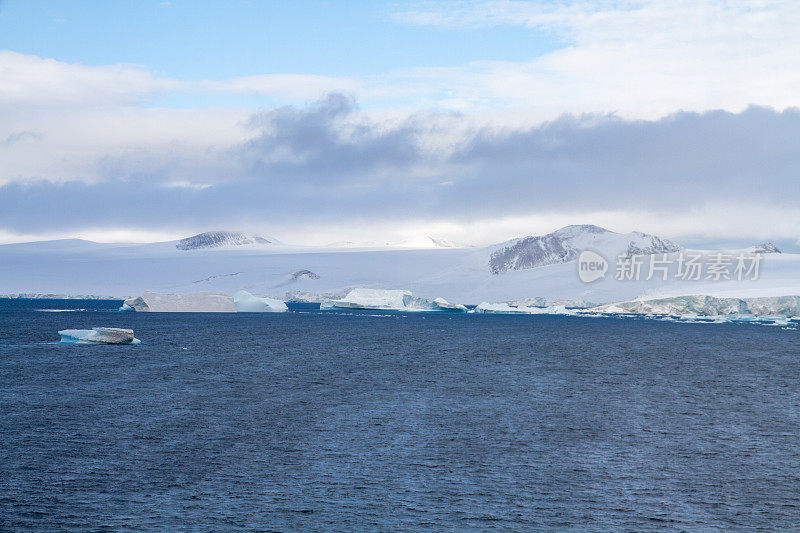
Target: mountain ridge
(563, 245)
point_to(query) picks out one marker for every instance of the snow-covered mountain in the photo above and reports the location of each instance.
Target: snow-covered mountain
(540, 269)
(565, 244)
(221, 239)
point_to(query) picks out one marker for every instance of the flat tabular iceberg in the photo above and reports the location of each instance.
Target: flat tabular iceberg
(98, 336)
(247, 303)
(389, 299)
(506, 309)
(700, 305)
(198, 302)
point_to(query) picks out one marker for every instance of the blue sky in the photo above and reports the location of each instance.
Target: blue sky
(476, 120)
(197, 40)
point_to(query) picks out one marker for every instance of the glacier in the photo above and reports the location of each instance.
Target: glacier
(390, 300)
(197, 302)
(98, 336)
(247, 303)
(531, 278)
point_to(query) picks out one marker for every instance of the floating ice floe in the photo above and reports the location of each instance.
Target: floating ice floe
(247, 303)
(389, 299)
(98, 336)
(198, 302)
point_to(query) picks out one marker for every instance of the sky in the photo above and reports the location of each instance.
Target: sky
(476, 121)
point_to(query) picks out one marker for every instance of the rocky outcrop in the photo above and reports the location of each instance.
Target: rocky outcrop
(565, 244)
(218, 239)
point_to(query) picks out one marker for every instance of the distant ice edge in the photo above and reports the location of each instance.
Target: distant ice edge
(777, 310)
(774, 310)
(704, 305)
(389, 300)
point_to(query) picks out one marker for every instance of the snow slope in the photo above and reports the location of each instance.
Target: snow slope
(462, 275)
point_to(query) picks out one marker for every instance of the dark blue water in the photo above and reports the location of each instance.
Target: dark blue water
(325, 421)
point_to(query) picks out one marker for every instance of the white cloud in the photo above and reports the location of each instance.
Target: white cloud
(639, 59)
(34, 81)
(289, 87)
(31, 80)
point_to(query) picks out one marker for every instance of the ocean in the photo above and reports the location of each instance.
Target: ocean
(380, 421)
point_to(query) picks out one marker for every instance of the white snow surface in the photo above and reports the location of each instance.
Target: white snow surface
(196, 302)
(247, 303)
(461, 275)
(98, 336)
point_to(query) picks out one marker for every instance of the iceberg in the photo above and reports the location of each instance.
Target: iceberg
(361, 298)
(391, 300)
(98, 336)
(507, 309)
(247, 303)
(198, 302)
(441, 303)
(297, 296)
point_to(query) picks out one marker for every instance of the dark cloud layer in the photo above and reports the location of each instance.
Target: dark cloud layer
(326, 163)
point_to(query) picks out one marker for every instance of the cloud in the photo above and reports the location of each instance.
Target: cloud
(639, 59)
(31, 80)
(20, 136)
(34, 81)
(328, 164)
(289, 87)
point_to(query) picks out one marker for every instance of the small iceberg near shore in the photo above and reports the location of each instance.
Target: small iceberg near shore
(98, 336)
(389, 300)
(247, 303)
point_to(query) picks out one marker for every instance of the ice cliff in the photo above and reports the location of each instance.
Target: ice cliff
(788, 306)
(389, 299)
(198, 302)
(508, 309)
